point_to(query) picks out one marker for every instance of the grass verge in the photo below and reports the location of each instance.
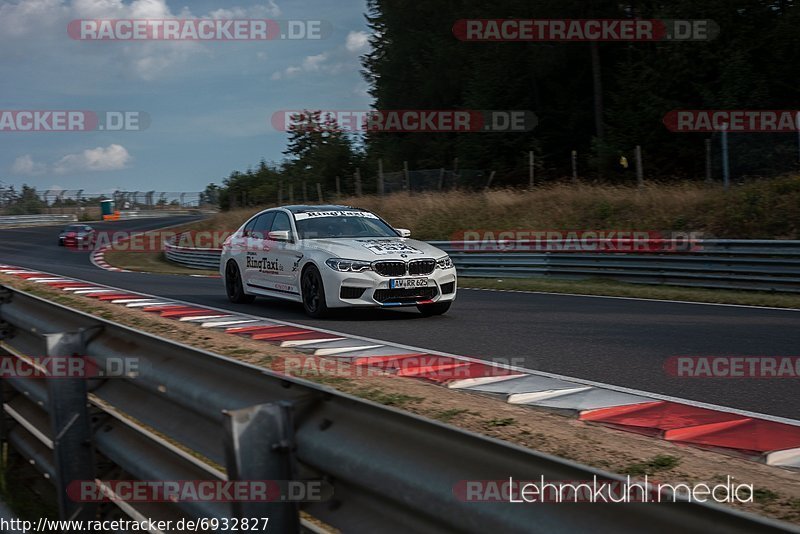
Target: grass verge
(144, 253)
(761, 209)
(149, 262)
(552, 433)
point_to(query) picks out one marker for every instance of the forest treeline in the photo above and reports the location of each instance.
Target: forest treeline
(598, 99)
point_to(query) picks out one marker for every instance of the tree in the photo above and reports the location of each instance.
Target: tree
(318, 150)
(210, 195)
(27, 203)
(598, 98)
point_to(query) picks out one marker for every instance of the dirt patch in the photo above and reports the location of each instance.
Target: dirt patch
(777, 490)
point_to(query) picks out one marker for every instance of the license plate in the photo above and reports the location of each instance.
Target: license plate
(408, 283)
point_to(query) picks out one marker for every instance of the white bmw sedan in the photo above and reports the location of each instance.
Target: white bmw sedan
(335, 257)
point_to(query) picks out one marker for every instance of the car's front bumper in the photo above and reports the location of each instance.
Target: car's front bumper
(76, 241)
(342, 289)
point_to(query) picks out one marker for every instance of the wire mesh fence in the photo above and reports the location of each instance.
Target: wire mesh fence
(27, 200)
(422, 180)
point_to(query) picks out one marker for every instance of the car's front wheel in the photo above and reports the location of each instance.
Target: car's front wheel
(438, 308)
(313, 292)
(233, 285)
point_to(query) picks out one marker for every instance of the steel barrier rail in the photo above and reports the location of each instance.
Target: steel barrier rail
(154, 214)
(761, 265)
(192, 415)
(35, 220)
(194, 258)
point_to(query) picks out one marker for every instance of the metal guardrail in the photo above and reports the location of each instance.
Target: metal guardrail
(194, 415)
(35, 220)
(150, 214)
(194, 258)
(761, 265)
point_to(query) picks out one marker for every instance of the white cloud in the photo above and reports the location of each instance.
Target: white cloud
(288, 72)
(30, 16)
(314, 63)
(357, 42)
(111, 158)
(46, 21)
(270, 9)
(310, 64)
(25, 166)
(340, 59)
(317, 63)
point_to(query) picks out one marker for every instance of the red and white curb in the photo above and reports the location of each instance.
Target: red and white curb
(98, 259)
(768, 439)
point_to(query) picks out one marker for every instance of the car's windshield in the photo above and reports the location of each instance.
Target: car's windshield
(321, 225)
(75, 228)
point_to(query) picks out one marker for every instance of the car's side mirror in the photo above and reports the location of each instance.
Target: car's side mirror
(403, 232)
(280, 235)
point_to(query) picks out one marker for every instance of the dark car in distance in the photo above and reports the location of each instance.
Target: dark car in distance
(77, 236)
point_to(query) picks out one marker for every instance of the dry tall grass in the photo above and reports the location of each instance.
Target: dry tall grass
(763, 209)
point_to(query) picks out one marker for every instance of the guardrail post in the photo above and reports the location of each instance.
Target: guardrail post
(259, 445)
(6, 330)
(73, 454)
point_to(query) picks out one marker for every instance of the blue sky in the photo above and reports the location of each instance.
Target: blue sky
(209, 103)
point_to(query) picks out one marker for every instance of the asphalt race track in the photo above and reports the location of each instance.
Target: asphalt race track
(615, 341)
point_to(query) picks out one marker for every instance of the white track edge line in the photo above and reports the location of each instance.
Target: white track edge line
(668, 301)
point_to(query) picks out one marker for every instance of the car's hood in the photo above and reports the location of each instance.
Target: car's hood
(375, 248)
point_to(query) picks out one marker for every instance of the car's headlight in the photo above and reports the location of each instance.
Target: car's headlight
(348, 266)
(444, 263)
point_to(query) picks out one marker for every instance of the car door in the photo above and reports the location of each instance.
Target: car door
(285, 257)
(257, 250)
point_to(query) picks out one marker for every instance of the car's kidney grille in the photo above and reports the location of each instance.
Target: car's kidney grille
(390, 268)
(421, 267)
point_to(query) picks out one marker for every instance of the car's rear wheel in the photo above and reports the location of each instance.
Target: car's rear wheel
(438, 308)
(233, 285)
(313, 292)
